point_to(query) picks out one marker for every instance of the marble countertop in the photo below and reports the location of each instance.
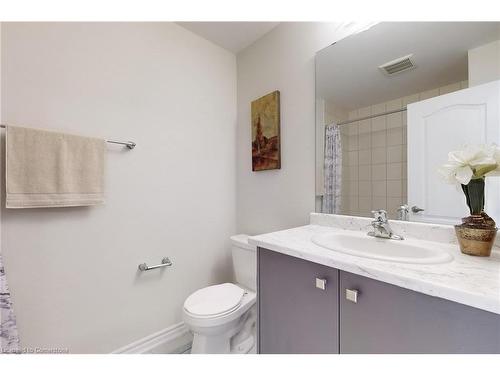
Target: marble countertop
(468, 280)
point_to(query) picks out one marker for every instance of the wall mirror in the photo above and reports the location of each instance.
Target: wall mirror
(391, 102)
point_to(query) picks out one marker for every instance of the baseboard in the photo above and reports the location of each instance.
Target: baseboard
(175, 339)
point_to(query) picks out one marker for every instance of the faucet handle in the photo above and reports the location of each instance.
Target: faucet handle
(380, 215)
(403, 212)
(403, 208)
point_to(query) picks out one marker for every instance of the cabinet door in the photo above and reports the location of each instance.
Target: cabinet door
(389, 319)
(296, 316)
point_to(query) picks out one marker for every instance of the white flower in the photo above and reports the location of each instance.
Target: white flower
(472, 161)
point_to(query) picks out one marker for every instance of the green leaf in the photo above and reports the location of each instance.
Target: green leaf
(483, 169)
(474, 192)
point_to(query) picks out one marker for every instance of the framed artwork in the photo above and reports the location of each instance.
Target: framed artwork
(266, 153)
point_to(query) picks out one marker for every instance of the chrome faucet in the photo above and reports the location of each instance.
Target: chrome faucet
(381, 227)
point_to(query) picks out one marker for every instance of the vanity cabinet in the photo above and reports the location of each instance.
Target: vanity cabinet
(355, 314)
(390, 319)
(298, 305)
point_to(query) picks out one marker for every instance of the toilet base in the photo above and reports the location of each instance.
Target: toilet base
(203, 344)
(240, 339)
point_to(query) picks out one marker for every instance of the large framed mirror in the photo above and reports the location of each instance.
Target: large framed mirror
(391, 102)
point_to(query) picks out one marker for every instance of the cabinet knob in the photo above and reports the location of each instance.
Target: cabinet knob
(321, 283)
(351, 295)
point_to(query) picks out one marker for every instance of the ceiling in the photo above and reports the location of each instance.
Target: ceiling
(233, 36)
(347, 72)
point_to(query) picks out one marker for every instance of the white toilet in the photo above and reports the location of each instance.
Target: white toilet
(223, 317)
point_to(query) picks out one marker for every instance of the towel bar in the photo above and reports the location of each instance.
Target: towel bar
(130, 145)
(165, 262)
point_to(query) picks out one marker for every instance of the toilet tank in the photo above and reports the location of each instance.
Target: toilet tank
(244, 261)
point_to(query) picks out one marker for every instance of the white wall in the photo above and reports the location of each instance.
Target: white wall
(282, 60)
(73, 271)
(484, 63)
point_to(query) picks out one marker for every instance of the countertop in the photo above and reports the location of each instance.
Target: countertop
(468, 280)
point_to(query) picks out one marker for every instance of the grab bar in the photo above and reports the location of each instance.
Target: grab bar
(165, 262)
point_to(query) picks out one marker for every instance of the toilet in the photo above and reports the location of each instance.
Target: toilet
(223, 317)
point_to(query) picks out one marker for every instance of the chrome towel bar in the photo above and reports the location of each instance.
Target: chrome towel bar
(165, 262)
(129, 144)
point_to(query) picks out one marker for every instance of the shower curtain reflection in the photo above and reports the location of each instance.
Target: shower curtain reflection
(332, 170)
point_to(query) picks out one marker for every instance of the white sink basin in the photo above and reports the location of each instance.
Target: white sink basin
(405, 251)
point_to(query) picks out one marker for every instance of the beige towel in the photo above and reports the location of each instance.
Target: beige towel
(49, 169)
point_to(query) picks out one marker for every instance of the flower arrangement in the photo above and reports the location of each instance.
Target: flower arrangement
(469, 167)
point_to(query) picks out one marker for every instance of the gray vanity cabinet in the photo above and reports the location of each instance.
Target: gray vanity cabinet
(390, 319)
(296, 315)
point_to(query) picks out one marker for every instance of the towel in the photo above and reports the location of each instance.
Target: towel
(50, 169)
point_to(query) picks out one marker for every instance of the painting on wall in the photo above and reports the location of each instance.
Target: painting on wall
(266, 132)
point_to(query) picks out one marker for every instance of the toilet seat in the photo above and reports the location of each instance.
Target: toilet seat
(214, 301)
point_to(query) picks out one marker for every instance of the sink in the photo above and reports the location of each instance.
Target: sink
(405, 251)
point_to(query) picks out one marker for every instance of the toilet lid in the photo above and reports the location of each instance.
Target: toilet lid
(214, 300)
